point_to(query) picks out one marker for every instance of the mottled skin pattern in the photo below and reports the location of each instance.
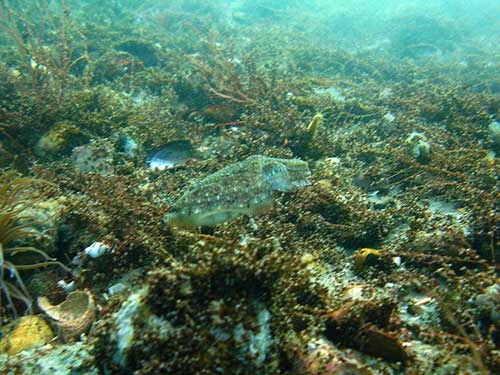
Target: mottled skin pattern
(242, 188)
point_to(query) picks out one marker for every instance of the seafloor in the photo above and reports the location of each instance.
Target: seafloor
(385, 263)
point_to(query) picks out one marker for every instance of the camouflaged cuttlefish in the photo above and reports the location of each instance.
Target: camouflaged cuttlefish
(243, 188)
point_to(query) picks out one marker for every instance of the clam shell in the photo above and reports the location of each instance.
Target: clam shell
(72, 317)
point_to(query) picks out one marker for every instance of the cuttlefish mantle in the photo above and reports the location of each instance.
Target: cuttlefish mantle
(243, 188)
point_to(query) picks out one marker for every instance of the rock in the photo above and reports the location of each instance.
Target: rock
(59, 140)
(494, 132)
(44, 214)
(319, 356)
(93, 158)
(25, 333)
(74, 359)
(420, 148)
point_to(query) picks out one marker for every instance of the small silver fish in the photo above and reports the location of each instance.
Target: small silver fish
(171, 155)
(243, 188)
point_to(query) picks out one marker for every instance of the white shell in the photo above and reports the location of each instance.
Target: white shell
(96, 249)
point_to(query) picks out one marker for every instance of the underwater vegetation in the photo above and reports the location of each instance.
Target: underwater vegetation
(243, 302)
(235, 189)
(14, 230)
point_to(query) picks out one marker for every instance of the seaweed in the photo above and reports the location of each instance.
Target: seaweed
(14, 230)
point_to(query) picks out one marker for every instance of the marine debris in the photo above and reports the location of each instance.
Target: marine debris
(244, 188)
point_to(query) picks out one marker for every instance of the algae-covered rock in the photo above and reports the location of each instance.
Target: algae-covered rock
(44, 216)
(96, 157)
(226, 313)
(25, 333)
(59, 140)
(116, 64)
(144, 50)
(494, 133)
(74, 359)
